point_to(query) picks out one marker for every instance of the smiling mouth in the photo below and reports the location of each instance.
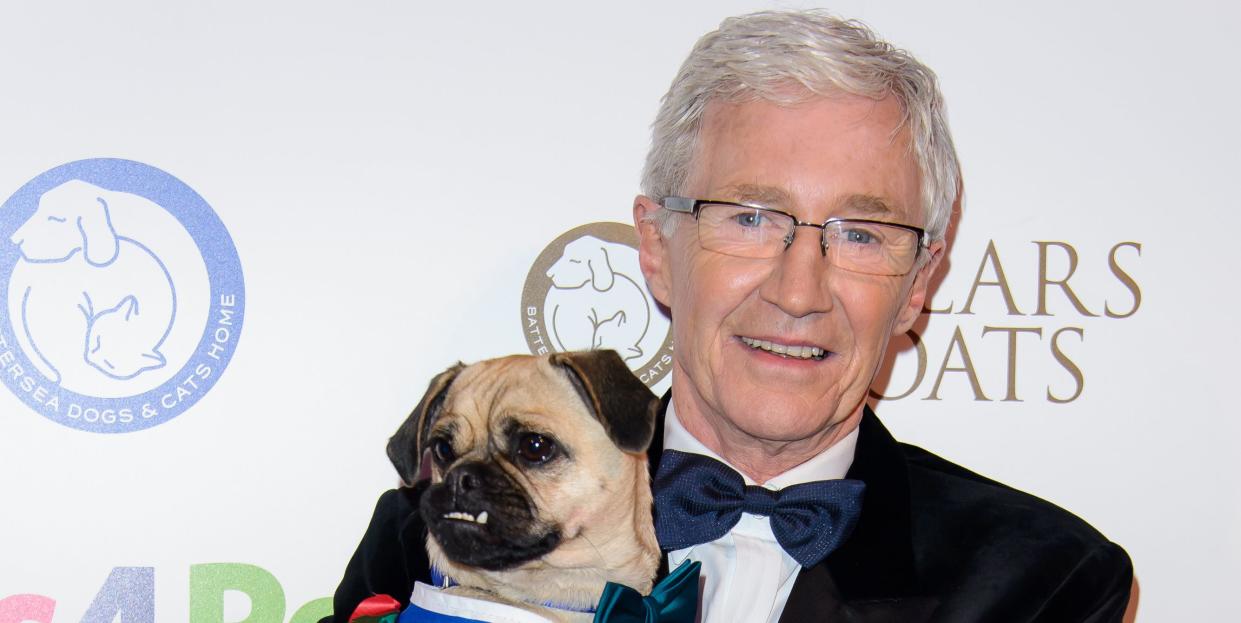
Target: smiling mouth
(480, 519)
(788, 352)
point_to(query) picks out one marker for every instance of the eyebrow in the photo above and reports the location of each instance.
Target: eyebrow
(771, 196)
(766, 196)
(867, 205)
(448, 429)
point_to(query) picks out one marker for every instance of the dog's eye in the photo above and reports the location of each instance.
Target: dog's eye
(443, 451)
(535, 448)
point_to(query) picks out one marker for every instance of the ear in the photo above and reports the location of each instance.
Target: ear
(128, 307)
(601, 276)
(99, 242)
(919, 290)
(652, 249)
(621, 402)
(406, 447)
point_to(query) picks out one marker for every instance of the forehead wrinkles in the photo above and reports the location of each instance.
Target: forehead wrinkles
(493, 390)
(852, 204)
(875, 127)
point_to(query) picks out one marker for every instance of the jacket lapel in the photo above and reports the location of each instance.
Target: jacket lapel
(653, 453)
(877, 561)
(871, 577)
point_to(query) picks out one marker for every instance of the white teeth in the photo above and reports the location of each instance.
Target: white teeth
(481, 519)
(798, 352)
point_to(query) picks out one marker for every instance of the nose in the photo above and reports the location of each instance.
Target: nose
(465, 478)
(798, 284)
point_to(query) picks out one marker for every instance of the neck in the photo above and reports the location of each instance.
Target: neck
(758, 458)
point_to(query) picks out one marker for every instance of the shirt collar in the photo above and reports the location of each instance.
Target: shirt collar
(831, 464)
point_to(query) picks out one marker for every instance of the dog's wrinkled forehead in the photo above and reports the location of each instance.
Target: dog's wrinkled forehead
(499, 390)
(589, 397)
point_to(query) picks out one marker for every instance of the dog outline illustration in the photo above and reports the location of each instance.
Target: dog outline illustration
(99, 298)
(612, 313)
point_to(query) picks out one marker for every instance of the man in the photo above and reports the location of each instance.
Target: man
(795, 201)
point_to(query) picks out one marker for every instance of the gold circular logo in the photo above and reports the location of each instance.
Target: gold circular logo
(586, 292)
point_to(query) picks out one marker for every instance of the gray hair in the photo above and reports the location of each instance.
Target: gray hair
(758, 56)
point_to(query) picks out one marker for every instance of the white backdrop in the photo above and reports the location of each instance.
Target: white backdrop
(390, 171)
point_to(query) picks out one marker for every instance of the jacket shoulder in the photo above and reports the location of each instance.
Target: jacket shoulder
(973, 535)
(941, 488)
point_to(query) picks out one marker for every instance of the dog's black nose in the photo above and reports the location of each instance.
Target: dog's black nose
(466, 478)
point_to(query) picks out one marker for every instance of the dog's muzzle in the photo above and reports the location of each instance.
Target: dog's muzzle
(482, 518)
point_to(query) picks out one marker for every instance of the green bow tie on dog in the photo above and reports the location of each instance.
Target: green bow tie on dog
(673, 600)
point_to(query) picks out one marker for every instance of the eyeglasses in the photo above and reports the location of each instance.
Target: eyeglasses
(857, 245)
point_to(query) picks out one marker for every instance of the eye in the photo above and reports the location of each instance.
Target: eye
(753, 218)
(858, 236)
(535, 448)
(443, 451)
(862, 236)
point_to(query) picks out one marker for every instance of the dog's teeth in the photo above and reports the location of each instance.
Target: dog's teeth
(480, 519)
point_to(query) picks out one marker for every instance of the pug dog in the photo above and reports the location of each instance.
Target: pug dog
(539, 486)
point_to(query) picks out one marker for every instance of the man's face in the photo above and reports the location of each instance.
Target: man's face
(829, 157)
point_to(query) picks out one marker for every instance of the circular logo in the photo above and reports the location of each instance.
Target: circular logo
(121, 300)
(586, 292)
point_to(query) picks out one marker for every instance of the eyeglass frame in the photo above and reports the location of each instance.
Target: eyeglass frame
(687, 205)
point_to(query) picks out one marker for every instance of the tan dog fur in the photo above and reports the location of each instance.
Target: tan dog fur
(599, 495)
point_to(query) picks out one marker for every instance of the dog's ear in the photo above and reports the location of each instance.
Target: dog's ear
(621, 402)
(99, 243)
(601, 275)
(405, 448)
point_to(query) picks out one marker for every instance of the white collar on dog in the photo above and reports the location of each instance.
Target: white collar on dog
(435, 600)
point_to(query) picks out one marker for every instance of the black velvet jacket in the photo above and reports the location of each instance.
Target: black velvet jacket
(935, 543)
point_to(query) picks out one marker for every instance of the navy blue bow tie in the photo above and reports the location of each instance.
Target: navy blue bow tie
(699, 499)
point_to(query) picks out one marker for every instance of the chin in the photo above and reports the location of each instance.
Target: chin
(779, 416)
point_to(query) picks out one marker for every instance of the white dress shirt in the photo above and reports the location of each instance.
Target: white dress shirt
(748, 576)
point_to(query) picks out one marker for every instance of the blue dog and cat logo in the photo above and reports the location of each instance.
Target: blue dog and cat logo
(122, 300)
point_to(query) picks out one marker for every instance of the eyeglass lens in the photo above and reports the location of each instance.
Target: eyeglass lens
(858, 246)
